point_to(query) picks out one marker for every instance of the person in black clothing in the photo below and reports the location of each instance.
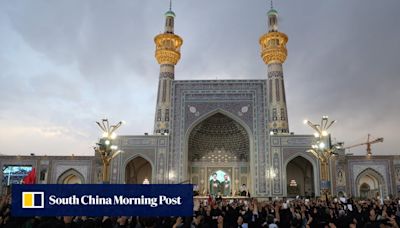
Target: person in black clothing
(231, 213)
(197, 220)
(241, 222)
(215, 213)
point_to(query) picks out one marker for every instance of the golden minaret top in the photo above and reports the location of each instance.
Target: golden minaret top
(273, 43)
(168, 44)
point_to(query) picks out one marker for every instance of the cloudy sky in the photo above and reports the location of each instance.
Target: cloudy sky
(65, 64)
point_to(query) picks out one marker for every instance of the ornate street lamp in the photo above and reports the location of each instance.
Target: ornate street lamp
(323, 150)
(105, 146)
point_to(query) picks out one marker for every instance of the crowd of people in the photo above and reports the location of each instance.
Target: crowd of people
(237, 213)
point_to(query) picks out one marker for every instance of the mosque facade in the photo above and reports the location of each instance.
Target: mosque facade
(234, 132)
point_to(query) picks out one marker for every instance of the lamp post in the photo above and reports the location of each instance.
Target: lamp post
(323, 150)
(106, 148)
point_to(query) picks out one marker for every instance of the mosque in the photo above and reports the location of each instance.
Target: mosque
(234, 132)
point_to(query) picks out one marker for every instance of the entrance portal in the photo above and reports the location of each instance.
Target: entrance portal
(300, 177)
(370, 184)
(219, 146)
(365, 191)
(138, 171)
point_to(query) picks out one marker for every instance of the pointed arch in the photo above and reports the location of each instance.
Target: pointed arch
(138, 167)
(373, 179)
(213, 112)
(315, 170)
(71, 176)
(237, 120)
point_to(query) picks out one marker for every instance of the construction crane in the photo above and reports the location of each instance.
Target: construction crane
(368, 143)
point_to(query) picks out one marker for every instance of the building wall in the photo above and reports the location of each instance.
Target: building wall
(284, 149)
(151, 148)
(155, 149)
(396, 174)
(53, 167)
(347, 173)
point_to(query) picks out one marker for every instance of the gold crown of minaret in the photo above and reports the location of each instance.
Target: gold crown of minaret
(273, 43)
(168, 48)
(273, 47)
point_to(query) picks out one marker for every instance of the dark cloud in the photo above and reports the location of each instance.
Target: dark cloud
(67, 63)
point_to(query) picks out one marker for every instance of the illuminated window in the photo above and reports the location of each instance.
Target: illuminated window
(283, 116)
(274, 114)
(166, 114)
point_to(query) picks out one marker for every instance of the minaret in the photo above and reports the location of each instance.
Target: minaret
(167, 54)
(273, 53)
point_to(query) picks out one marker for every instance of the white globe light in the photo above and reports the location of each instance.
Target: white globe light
(113, 135)
(314, 146)
(107, 142)
(171, 175)
(316, 135)
(322, 145)
(324, 133)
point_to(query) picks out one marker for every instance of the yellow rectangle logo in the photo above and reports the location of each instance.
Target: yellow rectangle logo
(32, 199)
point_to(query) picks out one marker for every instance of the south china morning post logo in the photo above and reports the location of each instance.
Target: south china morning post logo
(100, 200)
(32, 200)
(116, 200)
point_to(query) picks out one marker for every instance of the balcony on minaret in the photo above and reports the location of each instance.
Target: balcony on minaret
(168, 48)
(273, 47)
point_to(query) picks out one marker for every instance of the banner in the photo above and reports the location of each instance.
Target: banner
(102, 200)
(325, 184)
(30, 178)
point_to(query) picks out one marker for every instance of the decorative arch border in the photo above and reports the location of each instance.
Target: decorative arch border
(237, 120)
(315, 165)
(132, 157)
(375, 174)
(69, 172)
